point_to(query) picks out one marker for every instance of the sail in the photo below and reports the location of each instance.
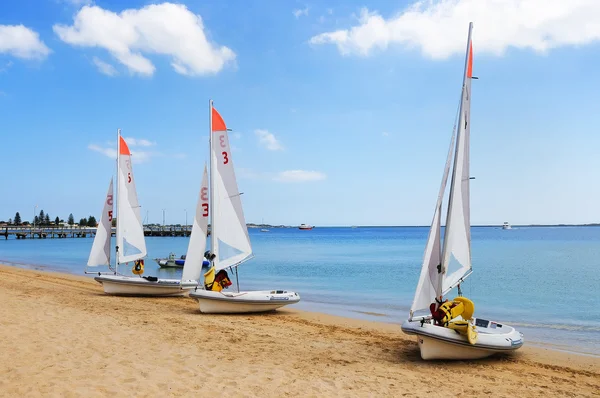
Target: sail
(431, 273)
(457, 240)
(100, 253)
(130, 232)
(230, 240)
(195, 253)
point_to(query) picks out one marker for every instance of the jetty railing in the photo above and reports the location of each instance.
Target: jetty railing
(61, 232)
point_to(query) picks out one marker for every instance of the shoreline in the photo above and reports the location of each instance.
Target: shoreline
(74, 339)
(333, 309)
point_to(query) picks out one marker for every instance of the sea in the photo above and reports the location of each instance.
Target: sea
(542, 280)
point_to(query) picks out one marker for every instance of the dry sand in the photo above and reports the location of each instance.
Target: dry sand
(61, 336)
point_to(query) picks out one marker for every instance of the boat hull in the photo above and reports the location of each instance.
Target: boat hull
(243, 302)
(437, 342)
(135, 286)
(165, 263)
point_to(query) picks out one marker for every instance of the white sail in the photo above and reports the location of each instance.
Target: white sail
(197, 246)
(100, 253)
(130, 232)
(229, 234)
(457, 240)
(431, 272)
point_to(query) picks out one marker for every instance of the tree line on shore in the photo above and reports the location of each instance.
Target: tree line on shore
(44, 220)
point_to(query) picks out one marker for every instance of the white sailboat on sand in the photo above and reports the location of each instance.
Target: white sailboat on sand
(450, 331)
(130, 242)
(230, 243)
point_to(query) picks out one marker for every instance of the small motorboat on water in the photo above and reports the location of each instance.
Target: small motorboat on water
(305, 226)
(506, 225)
(449, 330)
(171, 261)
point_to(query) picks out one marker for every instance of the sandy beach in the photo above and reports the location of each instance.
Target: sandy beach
(61, 336)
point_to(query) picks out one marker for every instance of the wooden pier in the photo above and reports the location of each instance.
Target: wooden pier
(28, 232)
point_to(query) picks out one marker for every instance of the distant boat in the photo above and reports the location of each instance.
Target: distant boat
(305, 226)
(264, 230)
(447, 329)
(506, 225)
(172, 262)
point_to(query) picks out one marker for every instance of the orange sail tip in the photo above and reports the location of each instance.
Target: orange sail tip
(470, 62)
(123, 148)
(218, 124)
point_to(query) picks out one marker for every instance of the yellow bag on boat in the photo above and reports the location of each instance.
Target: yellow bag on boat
(209, 280)
(138, 267)
(451, 310)
(468, 307)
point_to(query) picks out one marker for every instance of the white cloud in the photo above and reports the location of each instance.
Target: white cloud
(300, 12)
(22, 42)
(268, 140)
(439, 28)
(282, 176)
(6, 66)
(110, 152)
(138, 156)
(104, 67)
(138, 142)
(78, 3)
(165, 29)
(299, 176)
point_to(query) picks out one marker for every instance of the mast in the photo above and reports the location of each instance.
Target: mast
(118, 202)
(459, 139)
(211, 179)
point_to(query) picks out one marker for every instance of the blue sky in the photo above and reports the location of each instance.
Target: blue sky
(341, 111)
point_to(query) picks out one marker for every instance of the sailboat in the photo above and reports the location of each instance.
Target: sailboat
(230, 244)
(450, 331)
(130, 242)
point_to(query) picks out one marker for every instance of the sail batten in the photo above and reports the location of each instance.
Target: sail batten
(197, 245)
(100, 253)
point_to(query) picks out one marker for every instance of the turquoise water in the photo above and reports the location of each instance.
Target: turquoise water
(542, 280)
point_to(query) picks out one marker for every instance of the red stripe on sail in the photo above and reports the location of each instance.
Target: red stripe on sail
(218, 124)
(123, 148)
(470, 62)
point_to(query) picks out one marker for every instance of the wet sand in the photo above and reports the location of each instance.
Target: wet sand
(61, 336)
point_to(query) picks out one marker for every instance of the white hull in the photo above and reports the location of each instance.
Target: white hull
(437, 342)
(167, 263)
(243, 302)
(137, 286)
